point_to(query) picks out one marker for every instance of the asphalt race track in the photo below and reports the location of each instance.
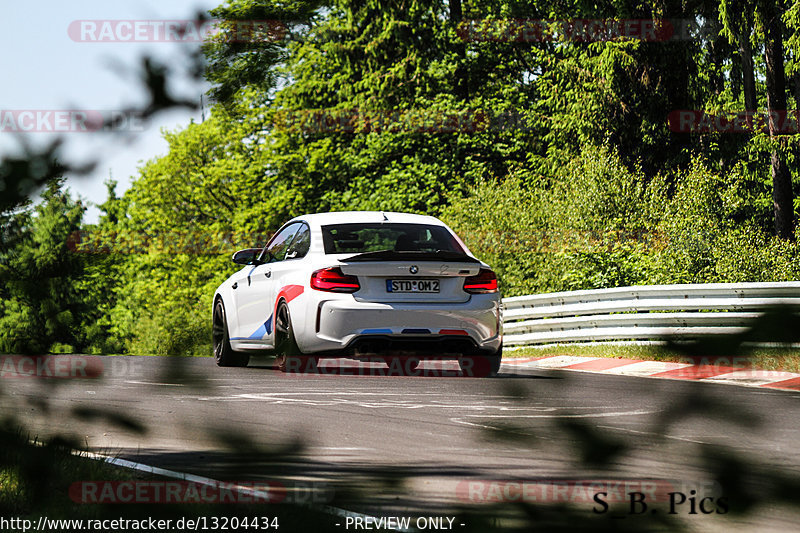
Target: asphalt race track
(415, 443)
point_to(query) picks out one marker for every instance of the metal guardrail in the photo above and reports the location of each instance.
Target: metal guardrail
(647, 312)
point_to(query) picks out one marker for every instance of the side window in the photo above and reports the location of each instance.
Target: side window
(276, 249)
(300, 244)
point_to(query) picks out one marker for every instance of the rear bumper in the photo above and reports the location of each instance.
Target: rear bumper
(353, 327)
(434, 346)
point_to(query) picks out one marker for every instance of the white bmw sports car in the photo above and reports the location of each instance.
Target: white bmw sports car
(360, 284)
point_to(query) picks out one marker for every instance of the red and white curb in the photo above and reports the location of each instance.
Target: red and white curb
(731, 371)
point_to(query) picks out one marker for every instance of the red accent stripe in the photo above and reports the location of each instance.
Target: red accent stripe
(697, 372)
(452, 332)
(291, 292)
(791, 384)
(602, 364)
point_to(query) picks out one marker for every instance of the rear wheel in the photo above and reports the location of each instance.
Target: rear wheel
(288, 356)
(481, 366)
(223, 353)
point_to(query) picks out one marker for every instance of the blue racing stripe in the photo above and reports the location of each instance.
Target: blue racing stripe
(260, 332)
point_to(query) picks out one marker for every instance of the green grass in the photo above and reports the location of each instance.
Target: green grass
(35, 477)
(785, 359)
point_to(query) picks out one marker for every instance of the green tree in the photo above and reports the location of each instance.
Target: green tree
(765, 18)
(170, 237)
(560, 146)
(252, 43)
(42, 306)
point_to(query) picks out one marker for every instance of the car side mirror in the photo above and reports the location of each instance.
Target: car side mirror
(247, 256)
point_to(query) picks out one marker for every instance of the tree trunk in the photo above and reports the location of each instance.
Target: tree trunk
(461, 82)
(455, 11)
(748, 77)
(782, 196)
(749, 85)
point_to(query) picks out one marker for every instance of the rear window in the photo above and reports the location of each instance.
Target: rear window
(374, 237)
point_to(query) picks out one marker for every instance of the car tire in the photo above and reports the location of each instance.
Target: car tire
(287, 354)
(223, 353)
(481, 366)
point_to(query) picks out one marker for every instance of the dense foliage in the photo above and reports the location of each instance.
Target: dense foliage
(554, 157)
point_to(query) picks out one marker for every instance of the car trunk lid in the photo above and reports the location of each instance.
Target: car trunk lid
(411, 276)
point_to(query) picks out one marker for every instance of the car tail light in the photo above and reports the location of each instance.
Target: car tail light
(333, 280)
(485, 281)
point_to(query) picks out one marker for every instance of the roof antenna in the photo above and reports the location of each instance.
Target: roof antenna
(384, 216)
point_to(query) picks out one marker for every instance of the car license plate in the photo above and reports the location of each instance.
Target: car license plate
(412, 285)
